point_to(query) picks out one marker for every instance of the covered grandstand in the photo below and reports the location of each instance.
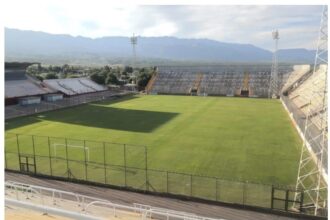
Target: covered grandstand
(16, 70)
(18, 85)
(74, 86)
(25, 95)
(23, 88)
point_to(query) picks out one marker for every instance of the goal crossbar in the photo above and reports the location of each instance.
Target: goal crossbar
(55, 146)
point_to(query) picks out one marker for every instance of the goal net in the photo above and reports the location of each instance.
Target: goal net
(60, 147)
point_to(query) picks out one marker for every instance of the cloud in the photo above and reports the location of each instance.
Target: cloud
(162, 29)
(298, 25)
(90, 25)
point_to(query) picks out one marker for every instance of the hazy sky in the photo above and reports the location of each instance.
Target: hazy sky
(298, 25)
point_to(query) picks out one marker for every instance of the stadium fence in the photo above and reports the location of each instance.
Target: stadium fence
(14, 111)
(126, 166)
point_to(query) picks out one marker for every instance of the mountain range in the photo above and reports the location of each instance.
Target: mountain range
(58, 49)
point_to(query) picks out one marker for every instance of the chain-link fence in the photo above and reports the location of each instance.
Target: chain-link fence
(122, 165)
(13, 111)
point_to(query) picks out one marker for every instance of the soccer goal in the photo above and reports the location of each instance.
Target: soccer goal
(58, 147)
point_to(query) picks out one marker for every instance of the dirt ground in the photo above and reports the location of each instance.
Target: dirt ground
(14, 213)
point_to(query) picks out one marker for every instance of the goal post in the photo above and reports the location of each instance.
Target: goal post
(56, 147)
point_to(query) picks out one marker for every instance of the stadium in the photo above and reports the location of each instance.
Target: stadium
(230, 142)
(222, 141)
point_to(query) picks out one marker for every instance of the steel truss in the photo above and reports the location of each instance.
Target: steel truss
(274, 82)
(312, 173)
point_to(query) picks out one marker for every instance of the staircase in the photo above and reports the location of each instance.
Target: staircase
(194, 90)
(151, 83)
(245, 90)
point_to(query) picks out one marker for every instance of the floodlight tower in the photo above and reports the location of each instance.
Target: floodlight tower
(134, 43)
(312, 174)
(273, 83)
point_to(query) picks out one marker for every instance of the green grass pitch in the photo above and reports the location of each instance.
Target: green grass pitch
(230, 138)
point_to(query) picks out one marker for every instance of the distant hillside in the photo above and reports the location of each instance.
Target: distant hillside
(49, 48)
(297, 55)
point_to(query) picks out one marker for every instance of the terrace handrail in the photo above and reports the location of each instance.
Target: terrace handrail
(86, 208)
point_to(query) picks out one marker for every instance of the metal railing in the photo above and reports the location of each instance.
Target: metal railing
(89, 206)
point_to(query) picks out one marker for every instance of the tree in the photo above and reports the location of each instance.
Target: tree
(62, 75)
(128, 69)
(65, 68)
(107, 68)
(124, 76)
(98, 78)
(54, 68)
(51, 76)
(112, 79)
(143, 79)
(33, 70)
(39, 77)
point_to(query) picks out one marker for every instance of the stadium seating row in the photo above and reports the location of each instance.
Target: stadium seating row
(19, 88)
(313, 87)
(177, 83)
(306, 96)
(299, 71)
(227, 83)
(74, 86)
